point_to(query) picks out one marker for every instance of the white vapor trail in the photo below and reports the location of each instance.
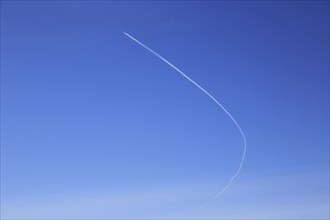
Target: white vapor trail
(216, 101)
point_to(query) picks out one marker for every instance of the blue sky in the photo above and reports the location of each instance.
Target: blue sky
(95, 126)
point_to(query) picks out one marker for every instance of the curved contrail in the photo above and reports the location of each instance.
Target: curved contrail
(216, 101)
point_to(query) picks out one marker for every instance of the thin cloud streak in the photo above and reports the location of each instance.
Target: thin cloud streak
(217, 102)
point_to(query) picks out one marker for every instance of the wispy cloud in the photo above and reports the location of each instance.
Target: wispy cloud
(261, 197)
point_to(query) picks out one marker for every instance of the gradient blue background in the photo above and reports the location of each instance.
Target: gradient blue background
(95, 126)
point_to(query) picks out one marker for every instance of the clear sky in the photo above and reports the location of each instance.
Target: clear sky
(95, 126)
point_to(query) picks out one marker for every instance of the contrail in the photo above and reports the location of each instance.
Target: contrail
(217, 102)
